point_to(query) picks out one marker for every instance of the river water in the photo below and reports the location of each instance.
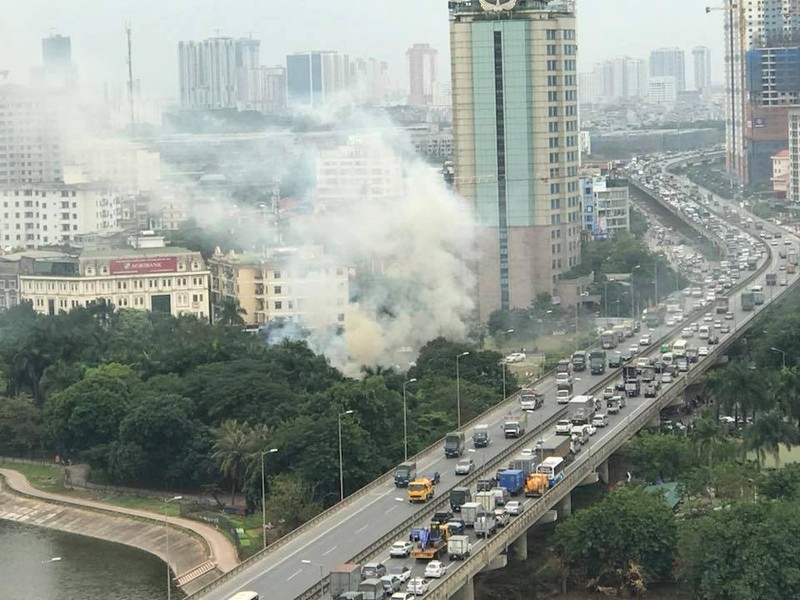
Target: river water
(89, 569)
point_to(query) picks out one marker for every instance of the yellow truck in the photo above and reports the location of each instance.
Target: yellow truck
(420, 490)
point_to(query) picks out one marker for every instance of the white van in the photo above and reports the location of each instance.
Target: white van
(667, 358)
(703, 332)
(679, 348)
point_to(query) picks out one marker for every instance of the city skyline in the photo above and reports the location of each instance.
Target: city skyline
(99, 53)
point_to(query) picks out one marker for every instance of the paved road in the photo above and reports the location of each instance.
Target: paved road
(283, 575)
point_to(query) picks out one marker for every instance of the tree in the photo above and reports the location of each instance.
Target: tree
(654, 457)
(767, 434)
(290, 502)
(727, 554)
(22, 428)
(707, 439)
(230, 313)
(628, 527)
(232, 446)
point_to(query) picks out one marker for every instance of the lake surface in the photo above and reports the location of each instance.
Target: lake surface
(89, 569)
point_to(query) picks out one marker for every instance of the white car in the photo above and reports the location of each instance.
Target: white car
(670, 321)
(402, 572)
(515, 507)
(666, 377)
(464, 466)
(418, 586)
(708, 318)
(563, 396)
(435, 569)
(729, 316)
(402, 596)
(645, 340)
(564, 427)
(600, 420)
(687, 333)
(516, 357)
(702, 351)
(634, 349)
(783, 281)
(401, 549)
(717, 324)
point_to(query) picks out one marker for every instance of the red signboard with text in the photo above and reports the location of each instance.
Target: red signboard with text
(154, 264)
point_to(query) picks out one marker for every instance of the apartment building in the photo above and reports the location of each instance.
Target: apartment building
(301, 285)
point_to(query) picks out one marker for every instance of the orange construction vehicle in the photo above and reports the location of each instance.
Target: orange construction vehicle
(536, 484)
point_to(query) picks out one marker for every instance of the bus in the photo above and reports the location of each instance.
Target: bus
(758, 294)
(244, 596)
(654, 316)
(553, 467)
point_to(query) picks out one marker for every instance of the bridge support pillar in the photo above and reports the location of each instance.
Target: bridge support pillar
(602, 471)
(519, 548)
(564, 507)
(467, 591)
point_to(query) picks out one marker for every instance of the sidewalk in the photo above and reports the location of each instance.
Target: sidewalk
(222, 551)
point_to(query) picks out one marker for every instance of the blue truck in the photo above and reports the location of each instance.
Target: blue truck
(513, 480)
(405, 474)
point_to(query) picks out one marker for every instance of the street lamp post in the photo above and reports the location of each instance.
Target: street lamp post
(405, 419)
(502, 351)
(341, 463)
(458, 388)
(783, 355)
(166, 530)
(633, 311)
(321, 575)
(264, 498)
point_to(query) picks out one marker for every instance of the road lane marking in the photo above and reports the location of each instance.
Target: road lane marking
(295, 574)
(329, 551)
(362, 529)
(391, 509)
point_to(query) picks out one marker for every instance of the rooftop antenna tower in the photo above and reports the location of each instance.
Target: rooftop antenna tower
(130, 78)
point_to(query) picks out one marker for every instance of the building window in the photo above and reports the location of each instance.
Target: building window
(550, 34)
(277, 290)
(276, 274)
(552, 111)
(551, 49)
(552, 65)
(279, 305)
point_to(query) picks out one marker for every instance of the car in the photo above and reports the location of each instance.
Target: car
(464, 466)
(501, 517)
(620, 385)
(515, 507)
(683, 365)
(670, 321)
(783, 281)
(402, 596)
(641, 363)
(702, 352)
(634, 350)
(435, 569)
(729, 316)
(563, 396)
(418, 586)
(433, 476)
(456, 526)
(687, 333)
(666, 377)
(516, 357)
(725, 328)
(401, 549)
(501, 495)
(626, 355)
(590, 429)
(391, 583)
(600, 420)
(717, 324)
(650, 391)
(708, 318)
(608, 392)
(563, 427)
(563, 378)
(402, 572)
(373, 570)
(695, 327)
(713, 339)
(645, 340)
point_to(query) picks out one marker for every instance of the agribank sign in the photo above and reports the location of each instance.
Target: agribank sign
(125, 266)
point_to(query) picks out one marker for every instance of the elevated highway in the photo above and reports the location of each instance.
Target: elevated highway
(363, 526)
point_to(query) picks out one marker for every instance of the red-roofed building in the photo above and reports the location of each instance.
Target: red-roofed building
(781, 166)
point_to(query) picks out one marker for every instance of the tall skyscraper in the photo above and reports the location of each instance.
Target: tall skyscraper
(762, 62)
(793, 184)
(622, 78)
(215, 73)
(313, 79)
(702, 68)
(421, 74)
(57, 68)
(515, 121)
(669, 62)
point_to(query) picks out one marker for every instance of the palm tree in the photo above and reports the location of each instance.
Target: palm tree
(767, 434)
(232, 447)
(707, 439)
(786, 389)
(230, 313)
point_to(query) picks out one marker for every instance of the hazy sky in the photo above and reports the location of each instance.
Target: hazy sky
(383, 29)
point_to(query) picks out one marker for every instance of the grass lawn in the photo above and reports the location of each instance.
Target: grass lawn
(45, 478)
(153, 505)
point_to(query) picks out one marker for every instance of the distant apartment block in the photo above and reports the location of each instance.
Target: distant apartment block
(793, 183)
(781, 171)
(669, 62)
(314, 79)
(216, 73)
(422, 75)
(363, 170)
(267, 89)
(606, 206)
(663, 90)
(622, 78)
(702, 68)
(54, 214)
(299, 285)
